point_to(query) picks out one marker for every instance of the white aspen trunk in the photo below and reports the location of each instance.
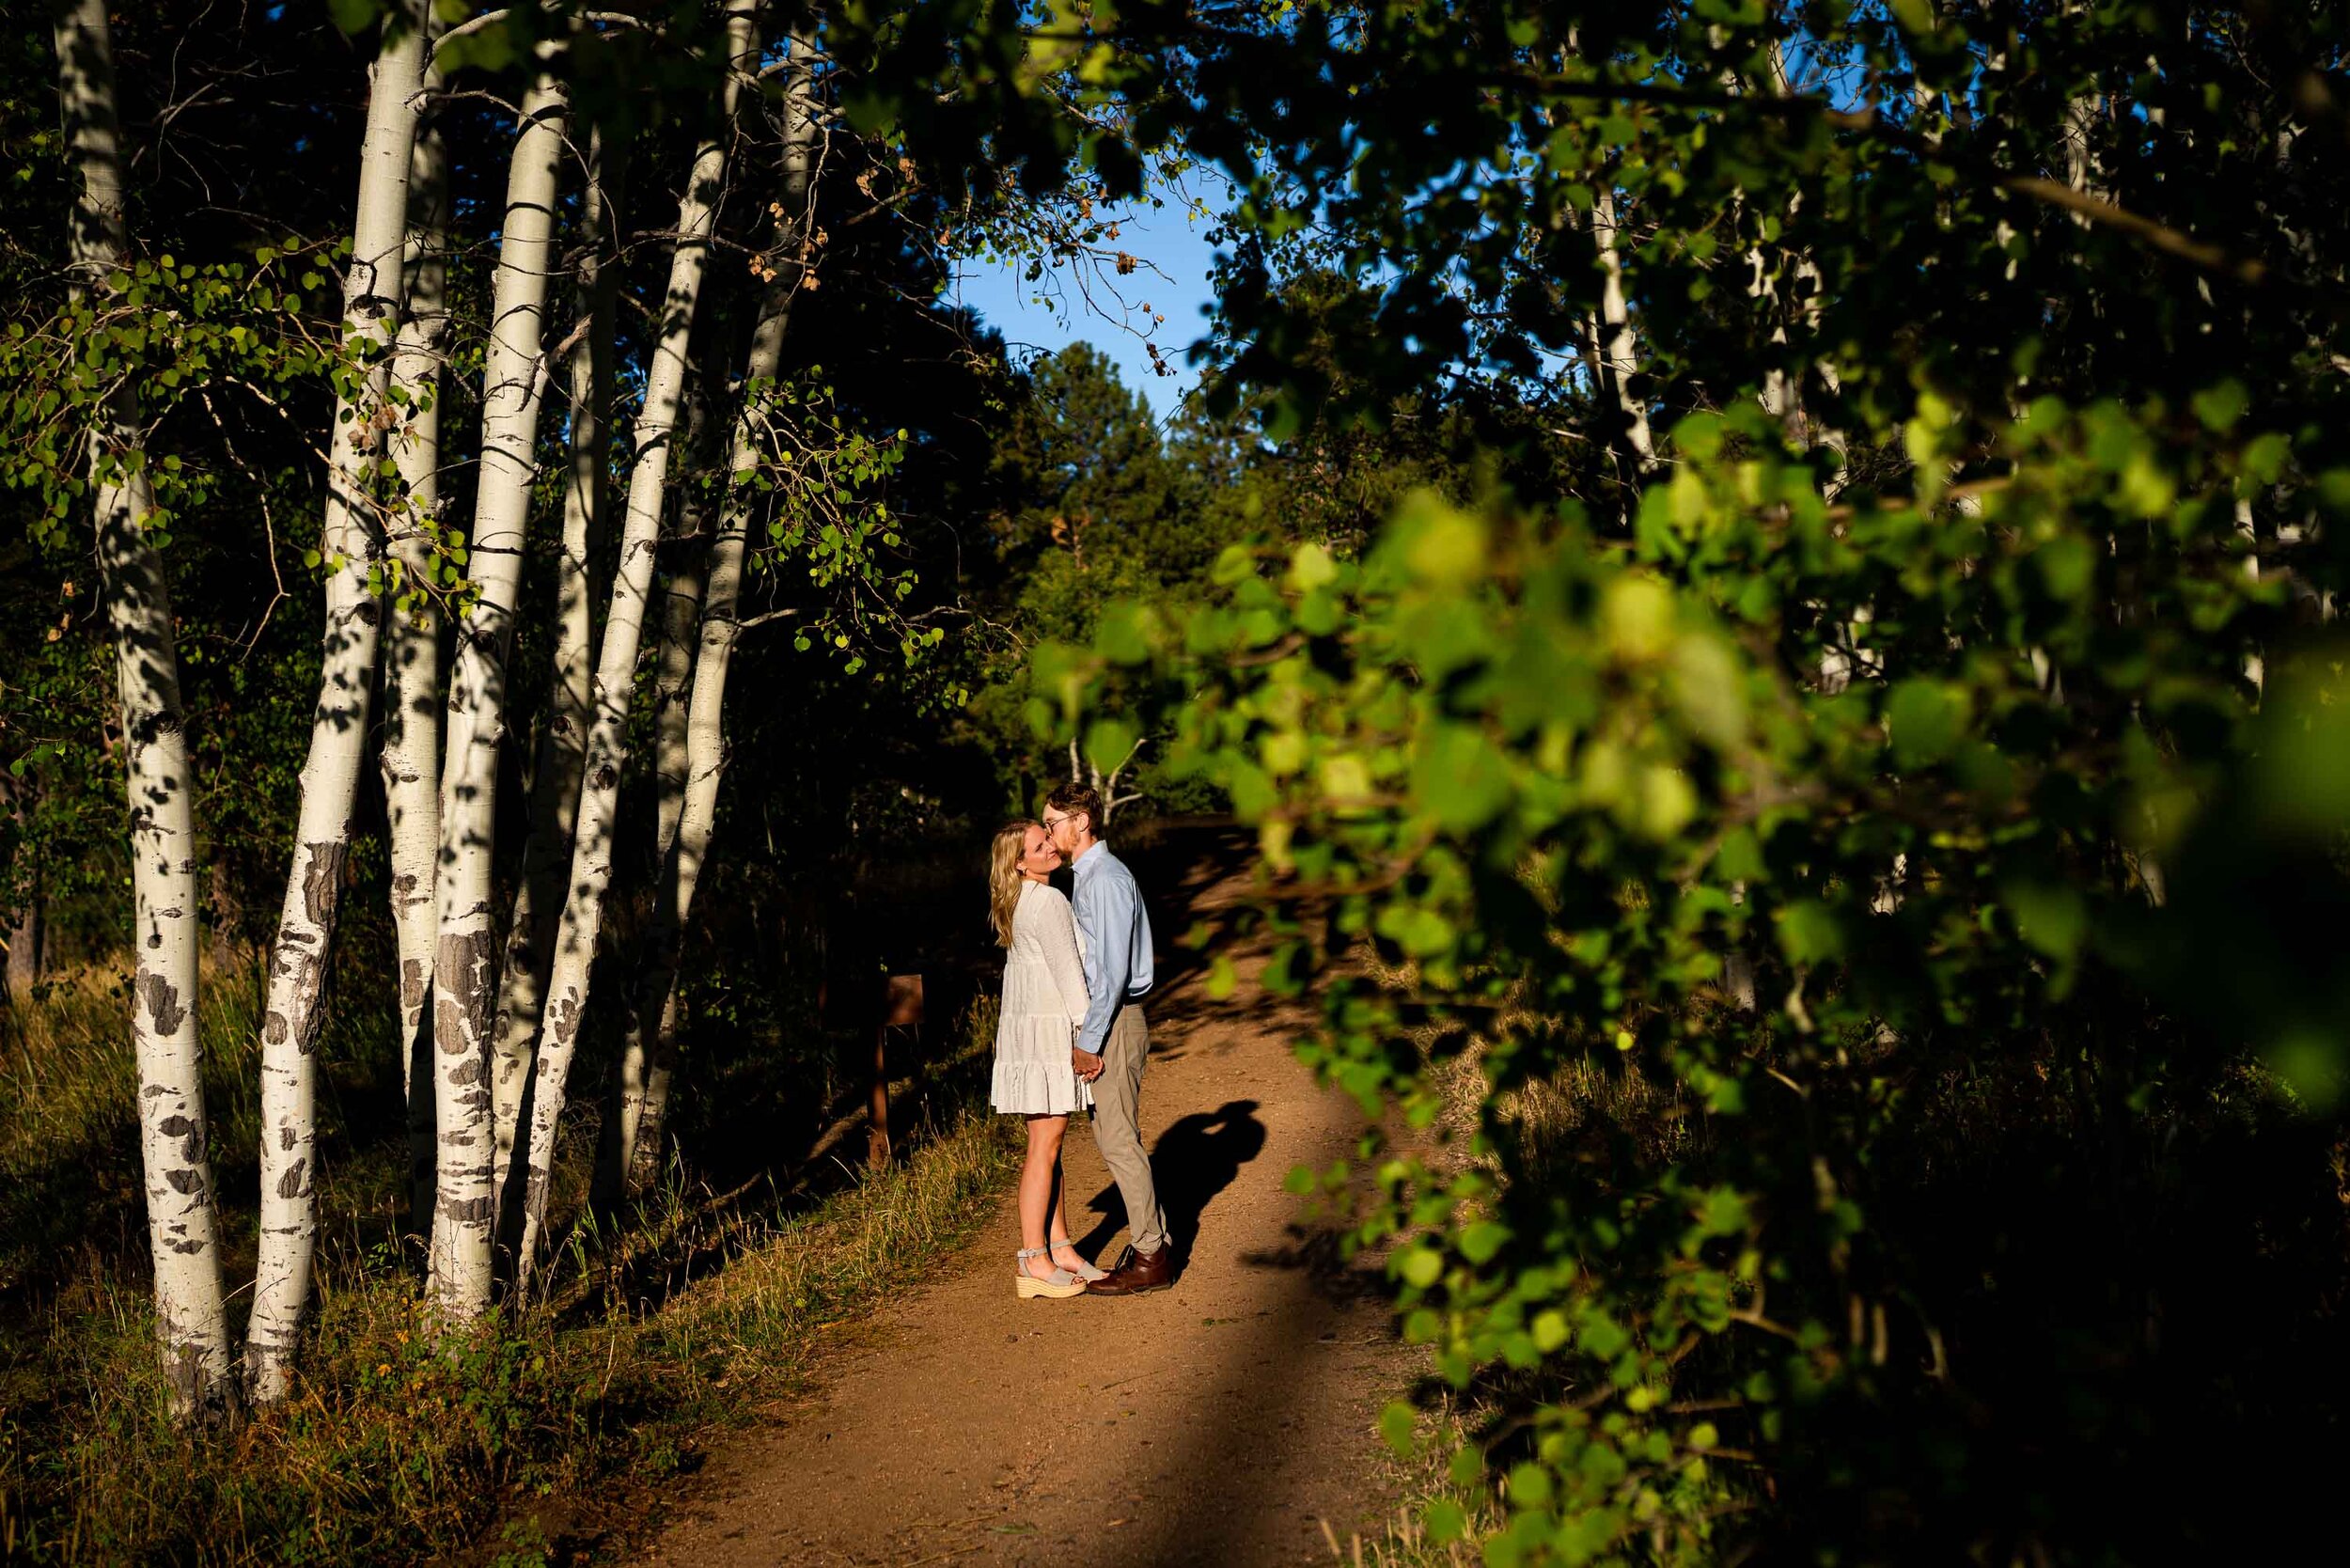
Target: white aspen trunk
(616, 666)
(27, 930)
(412, 654)
(26, 924)
(673, 678)
(1617, 352)
(673, 669)
(673, 684)
(562, 750)
(351, 542)
(191, 1316)
(465, 966)
(673, 674)
(705, 726)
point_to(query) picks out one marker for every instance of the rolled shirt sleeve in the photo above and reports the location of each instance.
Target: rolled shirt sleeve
(1116, 949)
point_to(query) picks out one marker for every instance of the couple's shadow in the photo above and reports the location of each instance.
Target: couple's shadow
(1194, 1160)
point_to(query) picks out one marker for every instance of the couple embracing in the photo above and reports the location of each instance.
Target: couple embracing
(1071, 1037)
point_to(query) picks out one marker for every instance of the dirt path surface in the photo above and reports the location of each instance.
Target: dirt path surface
(1225, 1422)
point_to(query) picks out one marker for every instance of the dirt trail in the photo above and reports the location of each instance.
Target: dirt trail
(1220, 1422)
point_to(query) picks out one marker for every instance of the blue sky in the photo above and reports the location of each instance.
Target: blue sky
(1171, 243)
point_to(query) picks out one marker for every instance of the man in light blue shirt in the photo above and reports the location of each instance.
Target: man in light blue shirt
(1113, 1043)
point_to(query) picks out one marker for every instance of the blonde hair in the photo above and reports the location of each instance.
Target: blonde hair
(1003, 877)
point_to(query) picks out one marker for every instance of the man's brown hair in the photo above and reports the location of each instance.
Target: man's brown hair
(1073, 797)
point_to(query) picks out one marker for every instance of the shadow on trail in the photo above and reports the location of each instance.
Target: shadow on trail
(1318, 1252)
(1194, 1160)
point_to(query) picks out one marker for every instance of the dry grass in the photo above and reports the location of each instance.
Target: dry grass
(401, 1446)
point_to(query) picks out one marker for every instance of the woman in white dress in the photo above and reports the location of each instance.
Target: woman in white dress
(1044, 1002)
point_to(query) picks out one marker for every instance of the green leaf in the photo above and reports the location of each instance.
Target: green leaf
(2220, 406)
(1121, 635)
(1529, 1486)
(1723, 1212)
(1481, 1242)
(1710, 690)
(2050, 916)
(1444, 1520)
(1442, 546)
(1396, 1425)
(1460, 778)
(1222, 979)
(1637, 614)
(1808, 932)
(2310, 1063)
(1926, 720)
(2301, 775)
(1312, 566)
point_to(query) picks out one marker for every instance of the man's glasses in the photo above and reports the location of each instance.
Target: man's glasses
(1051, 823)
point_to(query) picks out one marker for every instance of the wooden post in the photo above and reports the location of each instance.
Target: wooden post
(901, 1009)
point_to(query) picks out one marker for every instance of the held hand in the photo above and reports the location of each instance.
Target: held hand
(1087, 1065)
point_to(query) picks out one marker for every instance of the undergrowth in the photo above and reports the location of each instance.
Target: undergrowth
(400, 1444)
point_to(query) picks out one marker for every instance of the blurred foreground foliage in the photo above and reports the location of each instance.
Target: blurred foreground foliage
(1867, 810)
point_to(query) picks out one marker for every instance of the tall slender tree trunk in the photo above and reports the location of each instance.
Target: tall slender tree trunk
(27, 930)
(673, 680)
(616, 666)
(412, 655)
(26, 924)
(465, 968)
(191, 1317)
(562, 750)
(1619, 353)
(705, 731)
(351, 543)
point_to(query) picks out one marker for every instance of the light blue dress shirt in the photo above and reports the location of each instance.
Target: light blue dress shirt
(1117, 944)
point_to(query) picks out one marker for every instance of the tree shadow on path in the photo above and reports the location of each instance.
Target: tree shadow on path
(1194, 1160)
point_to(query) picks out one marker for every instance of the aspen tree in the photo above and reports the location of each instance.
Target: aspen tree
(464, 968)
(681, 623)
(191, 1317)
(1618, 354)
(25, 926)
(411, 653)
(721, 627)
(350, 544)
(562, 754)
(615, 665)
(673, 680)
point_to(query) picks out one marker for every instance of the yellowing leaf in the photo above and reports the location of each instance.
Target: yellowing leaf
(1283, 752)
(1668, 801)
(1312, 566)
(1710, 690)
(1345, 778)
(1444, 546)
(1638, 615)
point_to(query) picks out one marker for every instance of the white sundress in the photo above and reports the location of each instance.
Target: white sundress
(1044, 1002)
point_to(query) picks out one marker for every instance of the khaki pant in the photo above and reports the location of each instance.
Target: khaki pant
(1117, 1127)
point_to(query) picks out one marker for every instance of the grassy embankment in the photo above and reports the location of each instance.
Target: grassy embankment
(517, 1447)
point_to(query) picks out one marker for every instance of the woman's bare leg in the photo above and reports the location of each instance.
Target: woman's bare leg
(1040, 1186)
(1065, 1252)
(1056, 1230)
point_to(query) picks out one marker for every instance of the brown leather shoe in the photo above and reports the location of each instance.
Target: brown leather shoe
(1137, 1273)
